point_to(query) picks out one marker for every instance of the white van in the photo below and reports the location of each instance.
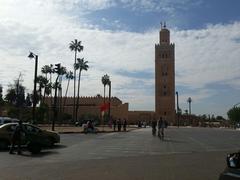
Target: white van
(4, 120)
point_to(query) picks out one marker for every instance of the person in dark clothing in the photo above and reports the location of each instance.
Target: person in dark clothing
(119, 123)
(114, 124)
(154, 125)
(161, 126)
(125, 125)
(139, 124)
(16, 138)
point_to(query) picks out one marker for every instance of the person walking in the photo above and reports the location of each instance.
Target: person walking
(161, 126)
(125, 125)
(154, 125)
(16, 138)
(114, 124)
(119, 123)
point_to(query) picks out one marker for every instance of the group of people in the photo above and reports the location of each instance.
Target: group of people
(89, 127)
(119, 124)
(161, 125)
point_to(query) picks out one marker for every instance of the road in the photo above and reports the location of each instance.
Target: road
(186, 153)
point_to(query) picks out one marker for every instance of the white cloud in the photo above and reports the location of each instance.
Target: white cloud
(207, 56)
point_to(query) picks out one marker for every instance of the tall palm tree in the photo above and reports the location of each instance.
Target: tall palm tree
(61, 73)
(69, 76)
(189, 100)
(105, 81)
(81, 65)
(45, 70)
(51, 71)
(42, 81)
(76, 47)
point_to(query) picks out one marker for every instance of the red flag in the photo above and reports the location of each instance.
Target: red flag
(104, 107)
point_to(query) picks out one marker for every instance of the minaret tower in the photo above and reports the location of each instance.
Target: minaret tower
(165, 77)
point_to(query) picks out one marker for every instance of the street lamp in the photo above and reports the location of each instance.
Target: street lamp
(177, 109)
(32, 55)
(109, 115)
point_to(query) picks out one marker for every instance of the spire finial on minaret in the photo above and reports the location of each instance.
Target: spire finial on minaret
(164, 24)
(161, 24)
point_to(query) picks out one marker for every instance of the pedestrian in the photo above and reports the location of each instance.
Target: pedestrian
(119, 123)
(114, 124)
(154, 124)
(125, 125)
(161, 126)
(16, 138)
(139, 124)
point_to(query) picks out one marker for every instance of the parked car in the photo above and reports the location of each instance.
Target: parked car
(232, 171)
(34, 137)
(4, 120)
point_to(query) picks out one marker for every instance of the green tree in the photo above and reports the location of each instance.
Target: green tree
(105, 81)
(47, 69)
(1, 95)
(10, 96)
(76, 47)
(80, 65)
(15, 94)
(28, 101)
(219, 118)
(234, 114)
(42, 81)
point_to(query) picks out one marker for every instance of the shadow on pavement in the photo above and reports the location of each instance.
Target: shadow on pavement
(41, 154)
(173, 141)
(59, 146)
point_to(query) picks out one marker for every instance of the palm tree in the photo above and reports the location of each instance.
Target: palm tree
(81, 65)
(51, 71)
(45, 70)
(76, 47)
(189, 100)
(42, 81)
(69, 76)
(61, 72)
(105, 81)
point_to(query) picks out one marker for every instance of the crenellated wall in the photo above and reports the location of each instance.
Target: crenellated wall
(91, 105)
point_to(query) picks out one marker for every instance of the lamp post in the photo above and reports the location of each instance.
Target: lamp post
(109, 108)
(32, 55)
(177, 109)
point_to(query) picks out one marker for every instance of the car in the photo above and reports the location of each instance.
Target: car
(4, 120)
(34, 137)
(232, 171)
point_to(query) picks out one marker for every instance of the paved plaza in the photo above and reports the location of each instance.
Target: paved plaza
(186, 153)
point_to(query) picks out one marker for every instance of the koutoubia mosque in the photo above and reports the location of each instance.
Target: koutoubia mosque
(165, 76)
(164, 90)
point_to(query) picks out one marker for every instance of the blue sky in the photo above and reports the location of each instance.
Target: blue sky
(119, 38)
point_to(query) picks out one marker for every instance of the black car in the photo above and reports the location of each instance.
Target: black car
(232, 171)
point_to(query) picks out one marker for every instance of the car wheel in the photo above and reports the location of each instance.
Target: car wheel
(34, 148)
(51, 142)
(3, 145)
